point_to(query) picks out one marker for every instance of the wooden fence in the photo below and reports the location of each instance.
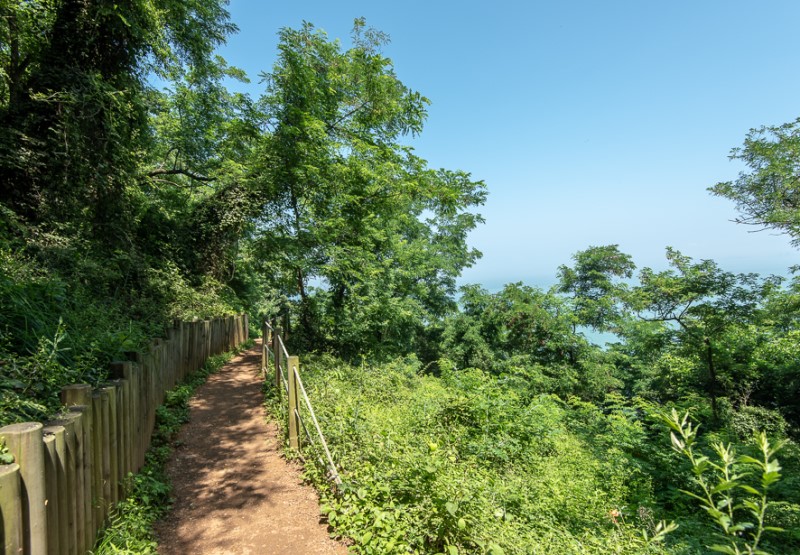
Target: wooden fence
(287, 381)
(70, 472)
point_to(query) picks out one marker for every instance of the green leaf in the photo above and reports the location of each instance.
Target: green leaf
(749, 489)
(451, 507)
(774, 529)
(677, 444)
(749, 460)
(723, 486)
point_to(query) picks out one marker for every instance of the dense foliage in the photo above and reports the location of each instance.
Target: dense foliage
(98, 237)
(348, 208)
(125, 204)
(524, 436)
(470, 462)
(136, 188)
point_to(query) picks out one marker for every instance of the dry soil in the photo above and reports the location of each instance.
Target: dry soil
(234, 491)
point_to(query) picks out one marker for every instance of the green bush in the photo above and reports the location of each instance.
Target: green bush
(465, 463)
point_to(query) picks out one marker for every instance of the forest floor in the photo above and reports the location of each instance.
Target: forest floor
(234, 491)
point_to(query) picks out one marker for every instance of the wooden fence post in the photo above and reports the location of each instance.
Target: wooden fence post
(51, 490)
(80, 397)
(25, 442)
(119, 419)
(99, 500)
(122, 371)
(78, 417)
(293, 368)
(105, 441)
(68, 510)
(57, 492)
(277, 354)
(113, 447)
(11, 508)
(265, 338)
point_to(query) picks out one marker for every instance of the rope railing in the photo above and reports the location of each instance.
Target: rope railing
(287, 378)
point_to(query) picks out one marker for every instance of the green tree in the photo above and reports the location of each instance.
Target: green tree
(701, 303)
(348, 212)
(768, 194)
(593, 284)
(74, 101)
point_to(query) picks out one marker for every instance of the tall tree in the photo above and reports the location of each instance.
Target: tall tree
(73, 104)
(348, 209)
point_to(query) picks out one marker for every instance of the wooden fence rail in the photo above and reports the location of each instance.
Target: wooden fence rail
(70, 472)
(287, 381)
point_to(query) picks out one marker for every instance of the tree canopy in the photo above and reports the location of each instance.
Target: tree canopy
(768, 194)
(347, 210)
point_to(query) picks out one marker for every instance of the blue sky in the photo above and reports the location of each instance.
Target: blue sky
(590, 122)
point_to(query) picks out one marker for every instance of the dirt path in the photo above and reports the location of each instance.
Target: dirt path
(234, 492)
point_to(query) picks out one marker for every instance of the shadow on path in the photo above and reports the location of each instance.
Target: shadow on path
(234, 492)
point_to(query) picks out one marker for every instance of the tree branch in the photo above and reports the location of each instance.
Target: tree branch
(178, 171)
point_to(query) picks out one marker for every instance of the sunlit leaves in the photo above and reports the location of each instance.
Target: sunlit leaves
(768, 194)
(357, 214)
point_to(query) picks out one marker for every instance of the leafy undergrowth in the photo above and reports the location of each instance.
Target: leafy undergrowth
(64, 319)
(473, 464)
(466, 464)
(130, 528)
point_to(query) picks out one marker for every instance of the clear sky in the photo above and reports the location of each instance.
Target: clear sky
(591, 122)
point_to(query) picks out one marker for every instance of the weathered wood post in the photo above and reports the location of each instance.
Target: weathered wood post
(105, 442)
(112, 446)
(98, 501)
(80, 397)
(188, 353)
(207, 352)
(77, 416)
(123, 373)
(57, 493)
(135, 379)
(264, 343)
(277, 354)
(51, 490)
(24, 441)
(293, 368)
(11, 508)
(150, 370)
(171, 367)
(120, 422)
(68, 510)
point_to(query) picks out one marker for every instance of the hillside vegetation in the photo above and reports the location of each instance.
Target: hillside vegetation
(136, 188)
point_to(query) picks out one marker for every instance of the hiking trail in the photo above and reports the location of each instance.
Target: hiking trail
(235, 493)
